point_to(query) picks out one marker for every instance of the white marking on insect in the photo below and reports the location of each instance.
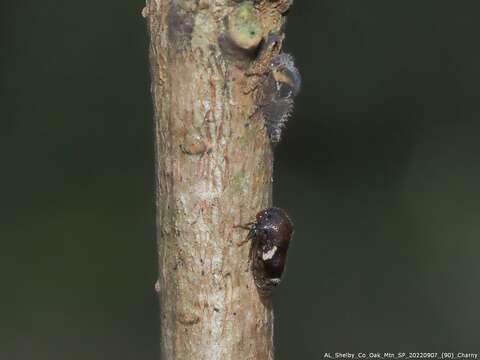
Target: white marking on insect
(275, 281)
(269, 254)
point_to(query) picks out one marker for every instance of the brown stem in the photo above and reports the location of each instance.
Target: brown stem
(213, 171)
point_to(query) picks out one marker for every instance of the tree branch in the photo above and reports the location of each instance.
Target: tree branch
(214, 171)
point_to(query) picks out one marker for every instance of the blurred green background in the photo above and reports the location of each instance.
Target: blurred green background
(378, 168)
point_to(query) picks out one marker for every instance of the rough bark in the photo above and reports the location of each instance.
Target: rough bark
(213, 171)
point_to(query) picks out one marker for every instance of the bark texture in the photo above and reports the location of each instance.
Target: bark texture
(214, 171)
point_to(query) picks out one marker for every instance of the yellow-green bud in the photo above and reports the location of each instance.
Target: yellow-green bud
(244, 26)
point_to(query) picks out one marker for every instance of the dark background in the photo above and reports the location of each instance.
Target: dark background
(379, 170)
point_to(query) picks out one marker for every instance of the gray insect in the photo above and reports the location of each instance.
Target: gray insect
(280, 87)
